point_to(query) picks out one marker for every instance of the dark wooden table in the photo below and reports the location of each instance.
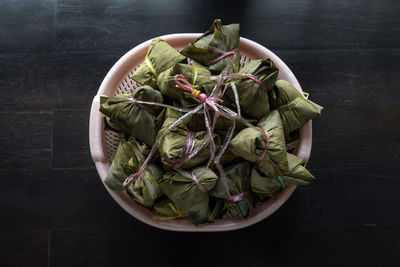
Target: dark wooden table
(54, 211)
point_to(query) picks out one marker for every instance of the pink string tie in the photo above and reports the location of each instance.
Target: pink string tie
(236, 198)
(190, 141)
(224, 55)
(196, 181)
(185, 85)
(134, 101)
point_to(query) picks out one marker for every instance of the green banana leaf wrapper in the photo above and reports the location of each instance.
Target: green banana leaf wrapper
(172, 146)
(228, 157)
(127, 160)
(160, 118)
(223, 37)
(250, 144)
(196, 123)
(146, 190)
(238, 178)
(197, 76)
(268, 186)
(160, 57)
(294, 108)
(216, 209)
(187, 195)
(167, 208)
(123, 115)
(254, 98)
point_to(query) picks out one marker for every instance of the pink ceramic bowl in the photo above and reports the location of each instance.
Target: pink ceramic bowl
(104, 143)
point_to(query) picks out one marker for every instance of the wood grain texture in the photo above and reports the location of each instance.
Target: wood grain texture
(107, 25)
(24, 248)
(57, 199)
(71, 141)
(27, 26)
(55, 210)
(26, 140)
(277, 246)
(359, 90)
(48, 81)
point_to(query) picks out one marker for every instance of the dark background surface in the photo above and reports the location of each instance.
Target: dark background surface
(54, 211)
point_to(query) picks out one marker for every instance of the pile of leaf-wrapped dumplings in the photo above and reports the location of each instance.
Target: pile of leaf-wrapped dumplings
(177, 159)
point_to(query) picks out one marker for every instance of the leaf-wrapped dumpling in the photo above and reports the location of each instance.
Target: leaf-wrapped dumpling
(253, 98)
(172, 147)
(251, 143)
(268, 186)
(189, 191)
(238, 179)
(220, 37)
(294, 108)
(197, 76)
(167, 208)
(128, 158)
(160, 57)
(128, 150)
(146, 190)
(196, 123)
(138, 120)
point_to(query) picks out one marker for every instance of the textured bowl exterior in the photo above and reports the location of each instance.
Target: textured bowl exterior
(99, 144)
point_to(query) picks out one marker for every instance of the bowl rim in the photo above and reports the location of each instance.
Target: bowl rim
(99, 155)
